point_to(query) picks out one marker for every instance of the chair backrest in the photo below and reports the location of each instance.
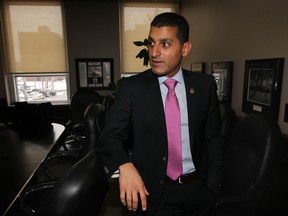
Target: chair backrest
(3, 111)
(91, 117)
(79, 102)
(229, 120)
(32, 118)
(81, 191)
(248, 158)
(108, 101)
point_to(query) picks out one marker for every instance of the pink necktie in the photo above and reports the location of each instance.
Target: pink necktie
(172, 115)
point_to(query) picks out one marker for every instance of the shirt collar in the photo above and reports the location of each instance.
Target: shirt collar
(178, 76)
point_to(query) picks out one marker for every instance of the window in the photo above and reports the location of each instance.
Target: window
(135, 25)
(35, 50)
(39, 88)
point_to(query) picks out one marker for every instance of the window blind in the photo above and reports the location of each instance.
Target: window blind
(34, 37)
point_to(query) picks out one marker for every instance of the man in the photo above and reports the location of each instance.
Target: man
(140, 107)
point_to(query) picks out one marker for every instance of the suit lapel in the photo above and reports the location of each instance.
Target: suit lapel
(156, 99)
(191, 95)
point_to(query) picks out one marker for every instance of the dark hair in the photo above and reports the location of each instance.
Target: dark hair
(174, 20)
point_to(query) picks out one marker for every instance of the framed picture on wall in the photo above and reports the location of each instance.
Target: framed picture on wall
(262, 86)
(222, 72)
(198, 67)
(94, 73)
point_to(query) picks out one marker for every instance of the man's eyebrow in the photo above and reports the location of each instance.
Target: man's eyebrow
(166, 40)
(150, 38)
(161, 40)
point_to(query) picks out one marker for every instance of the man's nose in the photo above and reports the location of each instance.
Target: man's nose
(154, 51)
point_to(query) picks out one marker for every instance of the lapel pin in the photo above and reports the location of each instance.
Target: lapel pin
(192, 91)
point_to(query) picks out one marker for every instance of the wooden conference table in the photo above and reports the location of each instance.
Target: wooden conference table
(21, 154)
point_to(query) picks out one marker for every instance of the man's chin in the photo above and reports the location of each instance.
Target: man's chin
(158, 72)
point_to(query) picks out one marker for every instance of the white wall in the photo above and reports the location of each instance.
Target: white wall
(239, 30)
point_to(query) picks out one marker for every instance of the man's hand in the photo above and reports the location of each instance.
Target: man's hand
(131, 185)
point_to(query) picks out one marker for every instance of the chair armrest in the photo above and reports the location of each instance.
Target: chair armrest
(68, 125)
(75, 142)
(31, 191)
(74, 154)
(79, 129)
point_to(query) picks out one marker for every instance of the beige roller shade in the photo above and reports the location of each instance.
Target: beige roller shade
(34, 36)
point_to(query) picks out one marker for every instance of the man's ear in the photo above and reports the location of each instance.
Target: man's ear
(186, 48)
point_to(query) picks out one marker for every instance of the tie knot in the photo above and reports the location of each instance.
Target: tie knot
(170, 83)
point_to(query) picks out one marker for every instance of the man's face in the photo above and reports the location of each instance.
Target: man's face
(166, 51)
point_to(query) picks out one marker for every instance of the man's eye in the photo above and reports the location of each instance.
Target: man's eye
(150, 44)
(166, 44)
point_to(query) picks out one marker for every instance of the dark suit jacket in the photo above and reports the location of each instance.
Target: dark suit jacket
(138, 106)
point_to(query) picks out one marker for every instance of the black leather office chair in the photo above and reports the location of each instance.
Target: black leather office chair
(75, 126)
(80, 192)
(229, 120)
(247, 165)
(56, 163)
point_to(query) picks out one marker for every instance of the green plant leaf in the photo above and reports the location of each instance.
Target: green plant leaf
(138, 43)
(146, 59)
(146, 42)
(142, 53)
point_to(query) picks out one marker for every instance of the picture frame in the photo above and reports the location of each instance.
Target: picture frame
(94, 73)
(223, 75)
(262, 86)
(198, 67)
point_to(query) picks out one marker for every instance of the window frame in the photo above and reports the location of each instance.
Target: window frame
(16, 93)
(10, 76)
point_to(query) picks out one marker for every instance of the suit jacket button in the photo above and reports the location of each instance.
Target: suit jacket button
(164, 158)
(161, 182)
(106, 170)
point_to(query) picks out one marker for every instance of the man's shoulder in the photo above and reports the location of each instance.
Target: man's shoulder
(197, 76)
(140, 76)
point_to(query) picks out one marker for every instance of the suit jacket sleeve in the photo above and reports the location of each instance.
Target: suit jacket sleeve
(116, 132)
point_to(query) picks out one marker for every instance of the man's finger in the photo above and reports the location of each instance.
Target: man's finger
(135, 201)
(143, 198)
(129, 200)
(123, 198)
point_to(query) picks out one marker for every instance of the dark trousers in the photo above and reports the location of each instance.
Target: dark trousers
(189, 199)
